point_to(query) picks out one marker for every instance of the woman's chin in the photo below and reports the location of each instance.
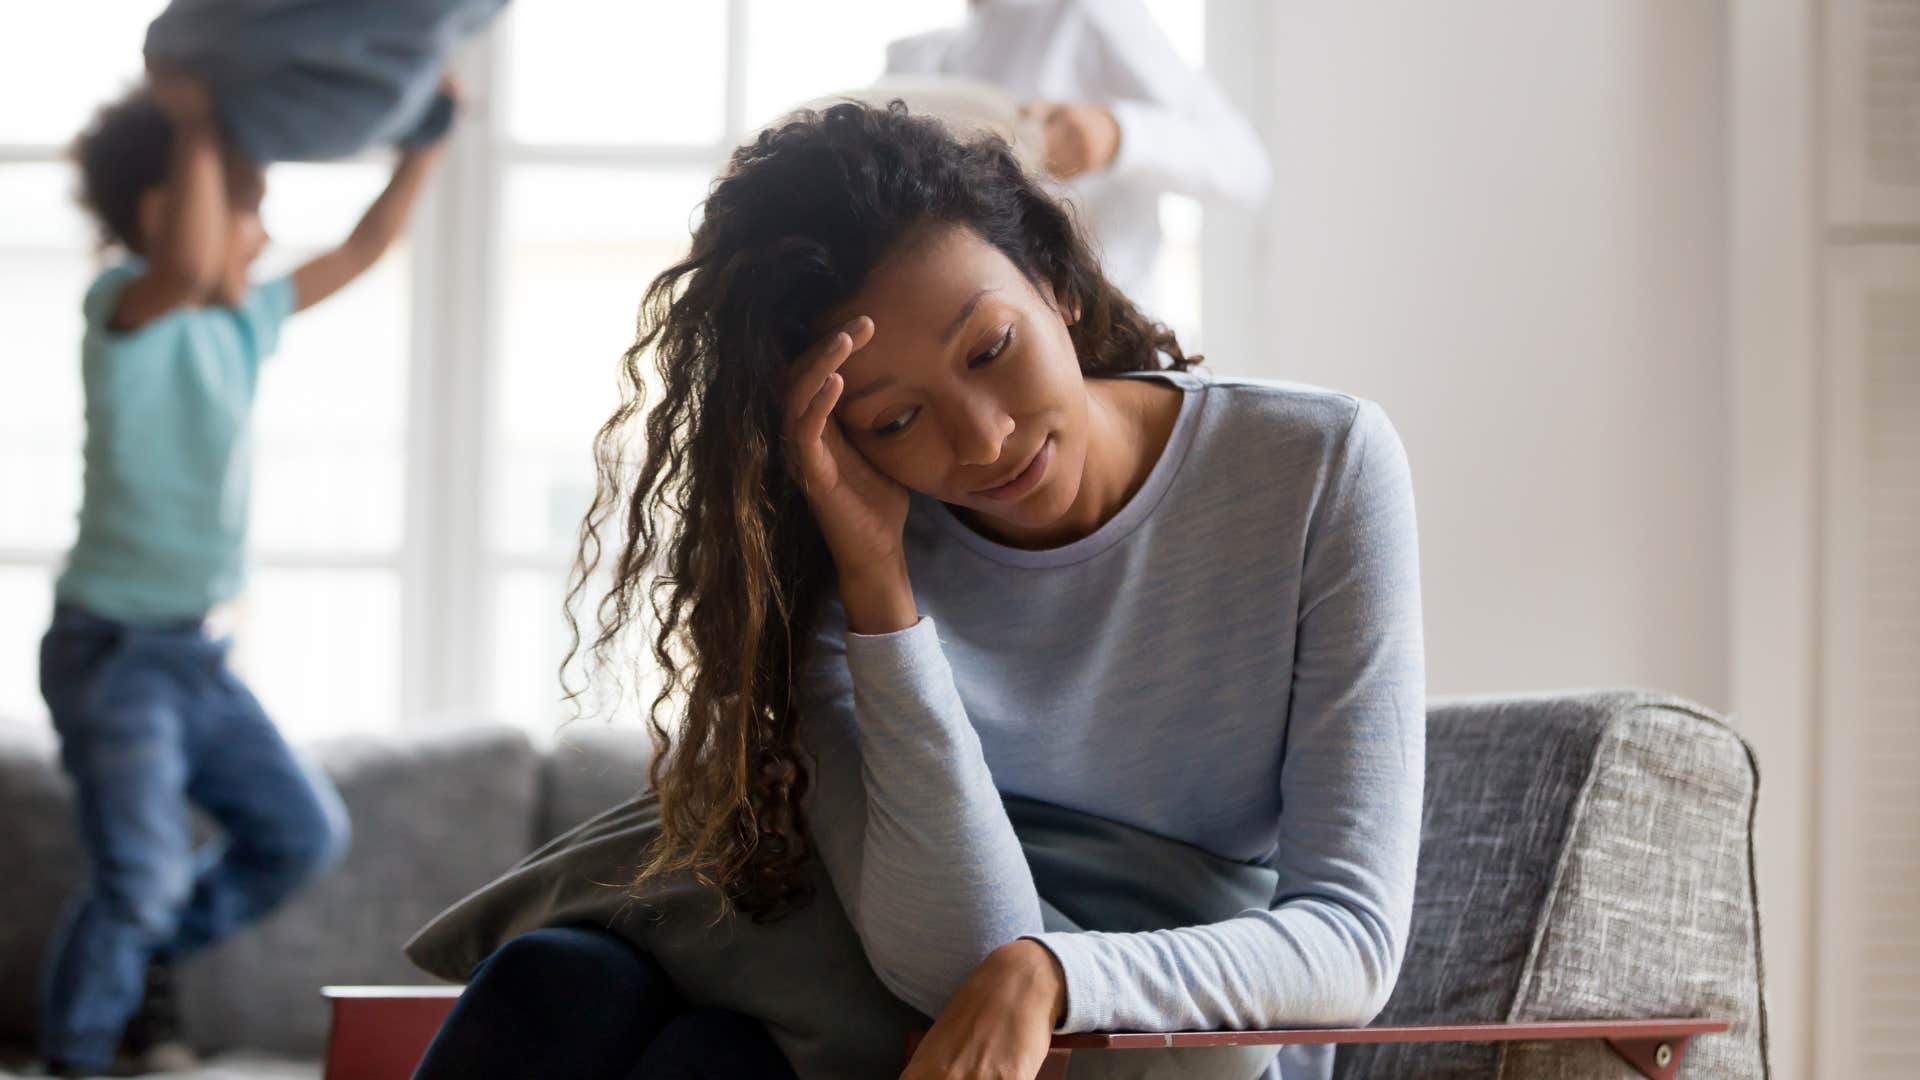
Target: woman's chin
(1025, 522)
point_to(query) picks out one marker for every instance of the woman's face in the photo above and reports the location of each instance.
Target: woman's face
(970, 391)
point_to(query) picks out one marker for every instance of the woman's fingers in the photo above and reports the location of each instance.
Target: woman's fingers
(810, 371)
(860, 330)
(815, 389)
(810, 430)
(813, 422)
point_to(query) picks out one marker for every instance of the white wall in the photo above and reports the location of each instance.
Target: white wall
(1504, 220)
(1774, 532)
(1568, 246)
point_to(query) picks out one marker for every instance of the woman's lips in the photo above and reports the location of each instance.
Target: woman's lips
(1026, 480)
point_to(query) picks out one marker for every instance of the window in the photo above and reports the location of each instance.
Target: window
(423, 439)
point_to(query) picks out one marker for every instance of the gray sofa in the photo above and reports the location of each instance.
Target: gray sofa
(1585, 856)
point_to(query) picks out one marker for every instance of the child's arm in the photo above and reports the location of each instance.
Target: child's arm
(327, 274)
(185, 252)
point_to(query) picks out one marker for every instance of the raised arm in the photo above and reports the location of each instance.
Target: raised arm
(324, 275)
(902, 808)
(187, 246)
(1177, 130)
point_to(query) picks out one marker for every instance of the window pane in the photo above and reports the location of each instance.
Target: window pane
(64, 60)
(581, 246)
(530, 639)
(44, 270)
(26, 603)
(637, 72)
(797, 52)
(312, 207)
(321, 649)
(40, 481)
(331, 413)
(1177, 274)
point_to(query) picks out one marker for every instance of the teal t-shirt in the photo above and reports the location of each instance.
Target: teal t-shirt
(163, 519)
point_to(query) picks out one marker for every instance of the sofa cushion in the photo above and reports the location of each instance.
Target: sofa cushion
(1583, 856)
(40, 868)
(593, 765)
(433, 816)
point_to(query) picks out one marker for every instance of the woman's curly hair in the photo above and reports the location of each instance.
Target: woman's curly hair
(715, 535)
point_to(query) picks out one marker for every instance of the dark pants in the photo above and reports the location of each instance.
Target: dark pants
(149, 719)
(584, 1003)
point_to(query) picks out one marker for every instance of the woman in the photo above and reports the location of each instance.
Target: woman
(938, 533)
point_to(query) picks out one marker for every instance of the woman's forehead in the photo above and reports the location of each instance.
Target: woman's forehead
(921, 294)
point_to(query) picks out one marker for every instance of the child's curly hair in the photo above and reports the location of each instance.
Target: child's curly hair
(122, 154)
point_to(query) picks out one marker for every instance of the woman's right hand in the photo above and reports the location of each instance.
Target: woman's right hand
(861, 511)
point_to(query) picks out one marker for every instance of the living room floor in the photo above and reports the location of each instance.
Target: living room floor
(235, 1066)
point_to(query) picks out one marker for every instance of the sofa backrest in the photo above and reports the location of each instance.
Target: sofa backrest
(40, 868)
(593, 765)
(433, 818)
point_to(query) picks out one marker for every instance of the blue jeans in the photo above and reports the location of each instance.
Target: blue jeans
(149, 719)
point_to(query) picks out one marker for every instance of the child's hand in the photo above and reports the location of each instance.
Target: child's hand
(455, 90)
(428, 152)
(860, 511)
(182, 96)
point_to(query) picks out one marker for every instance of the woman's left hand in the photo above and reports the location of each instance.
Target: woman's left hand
(1000, 1022)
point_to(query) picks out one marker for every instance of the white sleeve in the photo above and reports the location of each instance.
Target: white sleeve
(920, 54)
(1178, 131)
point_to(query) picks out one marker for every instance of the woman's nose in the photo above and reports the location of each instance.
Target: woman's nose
(980, 430)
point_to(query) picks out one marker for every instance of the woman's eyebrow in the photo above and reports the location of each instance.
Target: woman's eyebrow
(873, 387)
(966, 310)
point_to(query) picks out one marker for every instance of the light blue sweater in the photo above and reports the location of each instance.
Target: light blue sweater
(1233, 661)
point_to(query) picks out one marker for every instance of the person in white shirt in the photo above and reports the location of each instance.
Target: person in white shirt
(1124, 118)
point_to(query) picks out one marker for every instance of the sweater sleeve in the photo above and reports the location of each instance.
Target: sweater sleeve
(1328, 950)
(904, 812)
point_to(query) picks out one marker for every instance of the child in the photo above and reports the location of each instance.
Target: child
(148, 713)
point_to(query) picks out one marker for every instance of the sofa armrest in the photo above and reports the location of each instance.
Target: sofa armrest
(1582, 855)
(1652, 907)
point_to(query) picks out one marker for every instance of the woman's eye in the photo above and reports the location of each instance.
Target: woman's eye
(999, 347)
(898, 424)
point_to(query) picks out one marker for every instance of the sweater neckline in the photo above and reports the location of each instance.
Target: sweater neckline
(1121, 525)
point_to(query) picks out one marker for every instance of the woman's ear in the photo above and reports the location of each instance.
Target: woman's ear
(1069, 311)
